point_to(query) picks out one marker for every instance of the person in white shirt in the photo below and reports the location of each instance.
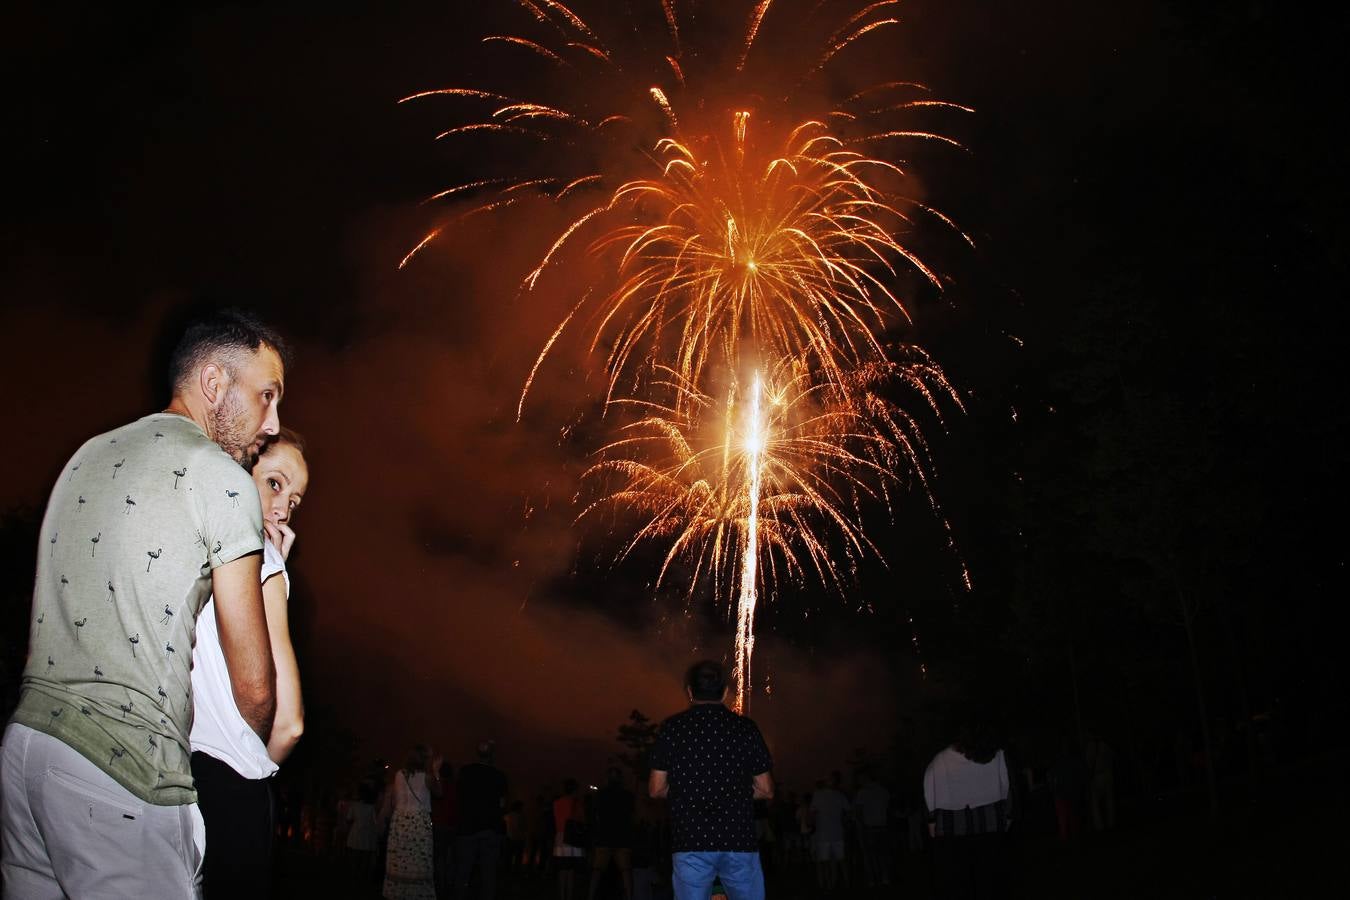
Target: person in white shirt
(231, 764)
(966, 789)
(829, 808)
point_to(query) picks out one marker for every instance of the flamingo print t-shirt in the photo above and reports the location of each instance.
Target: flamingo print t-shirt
(138, 519)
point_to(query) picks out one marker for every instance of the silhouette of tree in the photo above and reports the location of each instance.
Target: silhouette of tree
(638, 735)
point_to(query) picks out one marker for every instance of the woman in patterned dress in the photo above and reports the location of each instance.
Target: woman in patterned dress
(409, 874)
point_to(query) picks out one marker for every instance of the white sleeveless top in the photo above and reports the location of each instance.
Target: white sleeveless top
(217, 727)
(411, 793)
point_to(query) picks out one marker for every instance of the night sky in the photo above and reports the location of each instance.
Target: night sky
(1148, 338)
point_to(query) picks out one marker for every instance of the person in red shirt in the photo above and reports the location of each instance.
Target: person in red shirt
(567, 857)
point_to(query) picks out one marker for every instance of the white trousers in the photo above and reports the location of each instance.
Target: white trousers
(67, 829)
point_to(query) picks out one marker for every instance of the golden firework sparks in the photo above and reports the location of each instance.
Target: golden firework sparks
(789, 243)
(747, 240)
(764, 485)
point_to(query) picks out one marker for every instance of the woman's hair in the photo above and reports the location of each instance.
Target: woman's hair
(287, 435)
(418, 759)
(569, 786)
(976, 739)
(284, 436)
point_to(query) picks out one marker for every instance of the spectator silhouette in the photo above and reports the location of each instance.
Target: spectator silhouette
(712, 765)
(1068, 780)
(444, 812)
(361, 831)
(569, 818)
(1101, 779)
(516, 834)
(409, 872)
(480, 803)
(967, 791)
(829, 810)
(872, 806)
(612, 833)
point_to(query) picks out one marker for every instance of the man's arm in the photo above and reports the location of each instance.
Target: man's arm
(242, 623)
(658, 784)
(763, 786)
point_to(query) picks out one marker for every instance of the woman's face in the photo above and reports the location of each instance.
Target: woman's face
(282, 478)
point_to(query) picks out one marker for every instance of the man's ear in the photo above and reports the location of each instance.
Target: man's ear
(212, 381)
(689, 692)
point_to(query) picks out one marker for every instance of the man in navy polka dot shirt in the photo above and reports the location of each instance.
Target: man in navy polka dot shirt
(713, 765)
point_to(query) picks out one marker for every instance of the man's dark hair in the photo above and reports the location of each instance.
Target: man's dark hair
(706, 680)
(225, 332)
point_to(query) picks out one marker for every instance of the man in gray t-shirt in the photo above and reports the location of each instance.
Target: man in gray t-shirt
(144, 524)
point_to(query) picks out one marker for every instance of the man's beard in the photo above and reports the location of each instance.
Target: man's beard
(227, 430)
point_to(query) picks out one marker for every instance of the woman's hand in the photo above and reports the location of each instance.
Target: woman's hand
(281, 536)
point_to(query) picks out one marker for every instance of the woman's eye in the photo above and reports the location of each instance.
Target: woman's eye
(272, 483)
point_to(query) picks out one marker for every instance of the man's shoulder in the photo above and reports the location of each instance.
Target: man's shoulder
(163, 431)
(174, 443)
(674, 720)
(104, 444)
(211, 465)
(748, 723)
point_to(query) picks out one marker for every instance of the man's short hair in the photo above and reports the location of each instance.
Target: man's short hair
(706, 680)
(221, 333)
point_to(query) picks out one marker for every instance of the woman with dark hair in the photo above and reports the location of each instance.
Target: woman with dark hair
(409, 872)
(967, 791)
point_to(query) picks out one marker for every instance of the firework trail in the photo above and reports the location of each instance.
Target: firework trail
(741, 240)
(764, 484)
(755, 440)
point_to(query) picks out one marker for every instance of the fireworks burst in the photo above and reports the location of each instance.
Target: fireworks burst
(766, 484)
(741, 238)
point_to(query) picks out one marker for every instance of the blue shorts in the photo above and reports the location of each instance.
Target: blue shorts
(695, 871)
